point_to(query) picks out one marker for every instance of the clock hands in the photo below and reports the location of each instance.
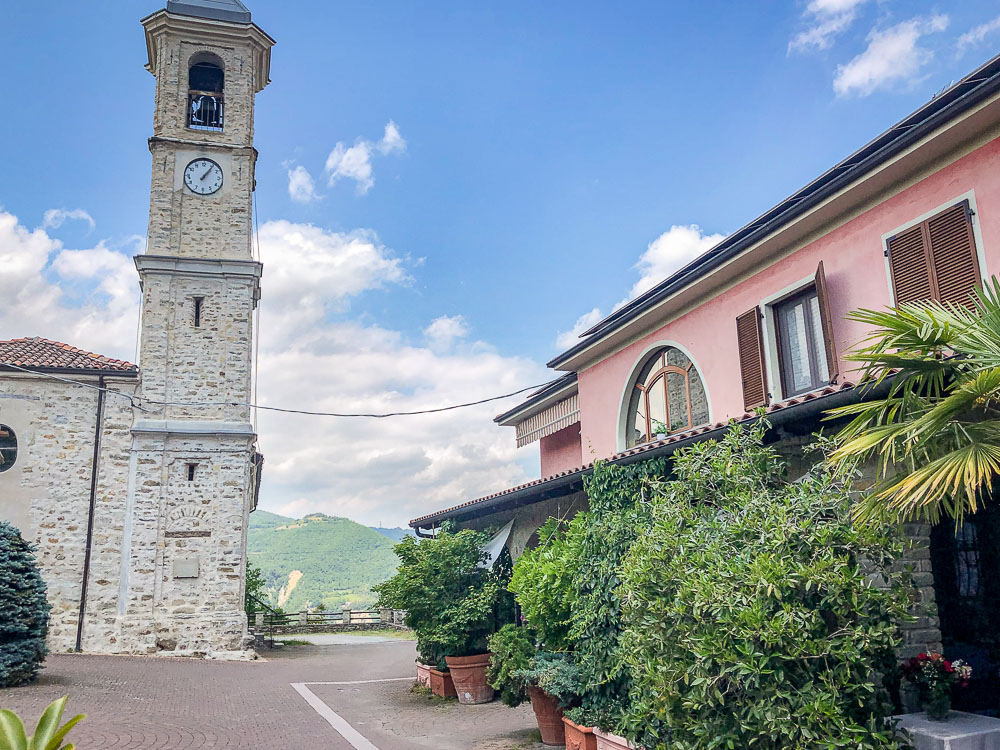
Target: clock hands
(207, 173)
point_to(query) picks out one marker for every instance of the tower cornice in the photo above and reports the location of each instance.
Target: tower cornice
(161, 22)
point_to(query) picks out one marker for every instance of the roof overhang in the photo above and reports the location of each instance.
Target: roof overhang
(76, 372)
(955, 122)
(161, 23)
(552, 393)
(570, 482)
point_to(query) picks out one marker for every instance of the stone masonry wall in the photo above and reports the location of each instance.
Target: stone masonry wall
(181, 223)
(184, 588)
(47, 493)
(182, 363)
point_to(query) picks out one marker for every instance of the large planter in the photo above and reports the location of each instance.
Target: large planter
(423, 674)
(608, 741)
(469, 674)
(548, 715)
(579, 738)
(442, 684)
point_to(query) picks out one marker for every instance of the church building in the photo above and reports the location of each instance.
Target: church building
(135, 483)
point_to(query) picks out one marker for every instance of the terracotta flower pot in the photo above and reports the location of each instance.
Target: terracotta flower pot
(423, 674)
(469, 674)
(548, 715)
(608, 741)
(579, 738)
(442, 684)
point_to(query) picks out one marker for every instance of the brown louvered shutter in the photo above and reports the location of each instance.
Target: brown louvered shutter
(953, 255)
(829, 344)
(909, 265)
(748, 334)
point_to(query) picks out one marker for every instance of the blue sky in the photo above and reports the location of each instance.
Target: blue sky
(538, 152)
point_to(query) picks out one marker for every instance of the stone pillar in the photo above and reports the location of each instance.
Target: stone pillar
(347, 618)
(304, 617)
(258, 619)
(385, 616)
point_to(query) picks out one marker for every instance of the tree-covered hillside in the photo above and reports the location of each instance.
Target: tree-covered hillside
(319, 559)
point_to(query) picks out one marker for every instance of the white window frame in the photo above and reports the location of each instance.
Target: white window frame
(969, 195)
(769, 331)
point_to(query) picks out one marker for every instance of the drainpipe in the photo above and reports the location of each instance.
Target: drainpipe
(90, 515)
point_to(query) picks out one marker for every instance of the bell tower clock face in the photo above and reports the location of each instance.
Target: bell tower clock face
(203, 176)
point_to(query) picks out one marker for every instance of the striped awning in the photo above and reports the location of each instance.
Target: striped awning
(556, 417)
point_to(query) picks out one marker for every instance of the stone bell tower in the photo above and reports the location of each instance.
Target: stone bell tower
(194, 464)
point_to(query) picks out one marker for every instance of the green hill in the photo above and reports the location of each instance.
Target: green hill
(318, 559)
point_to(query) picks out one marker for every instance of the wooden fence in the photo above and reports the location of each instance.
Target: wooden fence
(320, 622)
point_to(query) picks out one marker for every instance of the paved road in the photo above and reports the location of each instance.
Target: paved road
(173, 704)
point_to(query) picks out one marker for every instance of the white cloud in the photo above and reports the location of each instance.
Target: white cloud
(56, 217)
(827, 19)
(392, 141)
(668, 253)
(893, 56)
(977, 34)
(566, 339)
(444, 331)
(313, 355)
(301, 187)
(88, 298)
(355, 162)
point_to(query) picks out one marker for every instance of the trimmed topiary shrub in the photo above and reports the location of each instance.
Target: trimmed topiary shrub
(752, 615)
(24, 611)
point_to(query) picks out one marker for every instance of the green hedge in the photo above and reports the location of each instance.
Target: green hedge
(752, 621)
(619, 511)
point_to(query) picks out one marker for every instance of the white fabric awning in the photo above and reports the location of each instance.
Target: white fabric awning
(557, 417)
(495, 546)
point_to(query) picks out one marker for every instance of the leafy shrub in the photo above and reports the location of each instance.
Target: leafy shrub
(24, 611)
(619, 509)
(556, 674)
(751, 616)
(255, 589)
(452, 603)
(543, 581)
(511, 651)
(48, 735)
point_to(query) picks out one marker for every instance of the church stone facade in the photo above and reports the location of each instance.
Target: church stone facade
(137, 489)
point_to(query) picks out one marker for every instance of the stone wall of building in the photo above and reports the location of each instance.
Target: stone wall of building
(180, 222)
(47, 493)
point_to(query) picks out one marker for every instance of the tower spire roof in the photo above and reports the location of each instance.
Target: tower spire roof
(216, 10)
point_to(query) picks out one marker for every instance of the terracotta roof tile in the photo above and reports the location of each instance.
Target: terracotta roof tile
(645, 447)
(43, 354)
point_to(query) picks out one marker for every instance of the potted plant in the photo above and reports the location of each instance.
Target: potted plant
(521, 673)
(454, 601)
(934, 676)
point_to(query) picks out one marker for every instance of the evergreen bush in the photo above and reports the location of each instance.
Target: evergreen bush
(543, 581)
(452, 602)
(24, 611)
(752, 615)
(619, 511)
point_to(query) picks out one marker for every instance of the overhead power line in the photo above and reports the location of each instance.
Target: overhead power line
(141, 403)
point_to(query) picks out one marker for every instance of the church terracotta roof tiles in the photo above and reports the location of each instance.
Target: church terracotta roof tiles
(46, 355)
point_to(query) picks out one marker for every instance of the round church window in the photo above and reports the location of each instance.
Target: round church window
(8, 447)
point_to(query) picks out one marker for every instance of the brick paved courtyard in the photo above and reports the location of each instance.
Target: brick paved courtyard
(163, 703)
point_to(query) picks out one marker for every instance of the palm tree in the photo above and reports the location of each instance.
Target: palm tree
(934, 429)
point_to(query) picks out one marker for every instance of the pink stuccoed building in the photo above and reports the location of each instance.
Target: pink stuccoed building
(759, 321)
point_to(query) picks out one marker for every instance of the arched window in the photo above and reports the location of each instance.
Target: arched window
(8, 447)
(668, 396)
(205, 85)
